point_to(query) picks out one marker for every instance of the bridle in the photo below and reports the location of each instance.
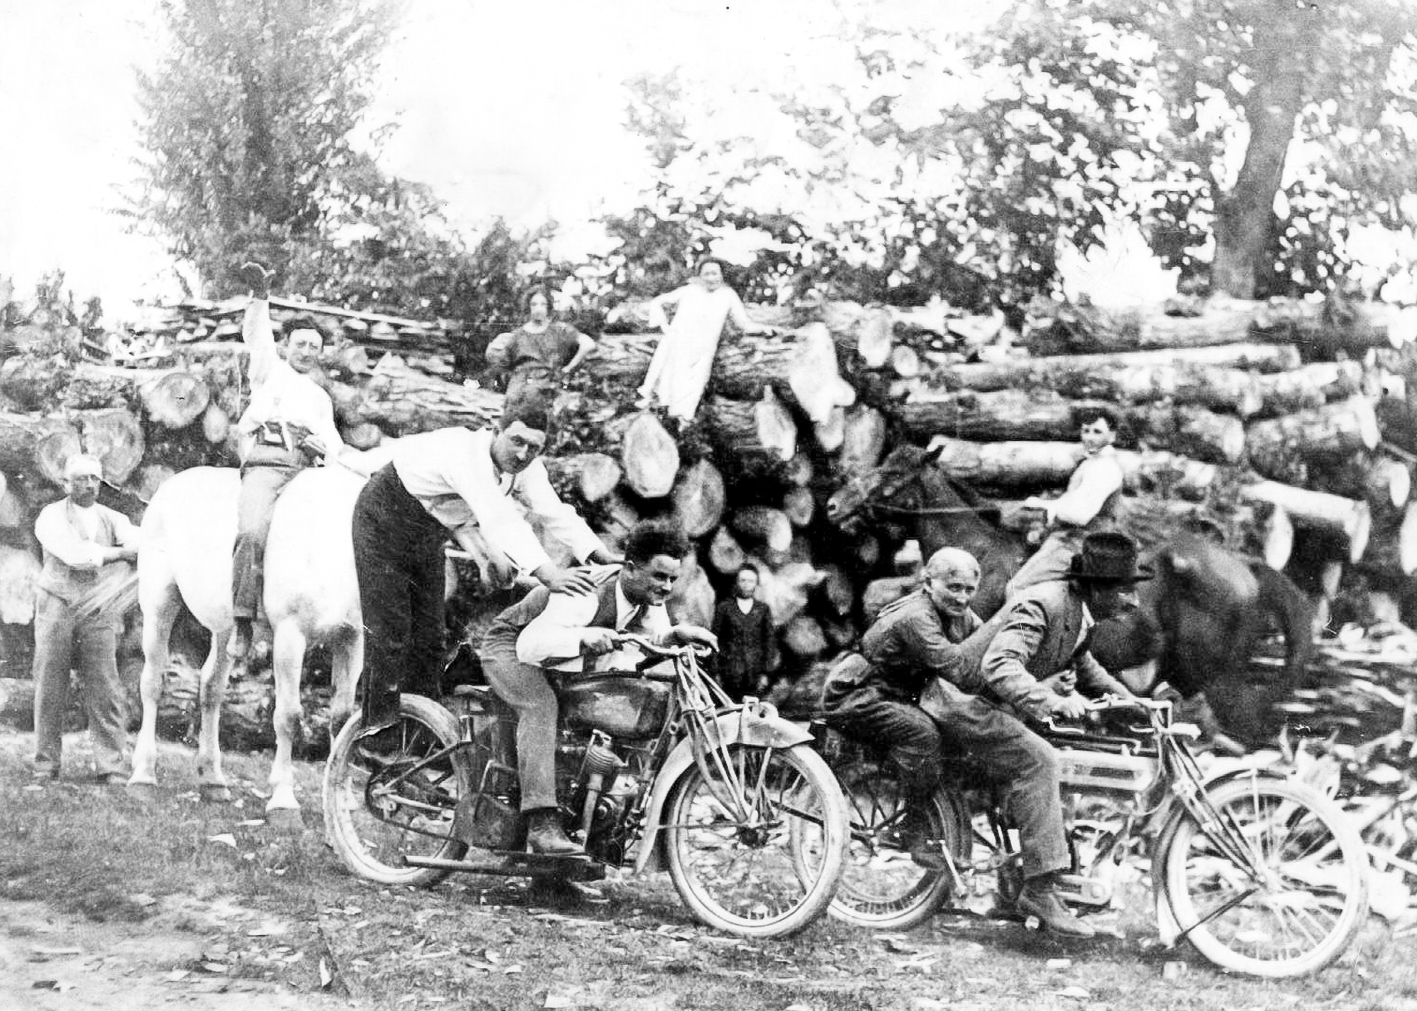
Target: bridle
(988, 513)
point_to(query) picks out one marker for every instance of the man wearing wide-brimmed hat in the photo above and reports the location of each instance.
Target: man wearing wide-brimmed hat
(1034, 661)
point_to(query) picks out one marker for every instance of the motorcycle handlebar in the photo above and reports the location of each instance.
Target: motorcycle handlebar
(658, 652)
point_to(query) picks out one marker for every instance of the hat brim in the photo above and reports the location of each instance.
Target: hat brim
(1143, 574)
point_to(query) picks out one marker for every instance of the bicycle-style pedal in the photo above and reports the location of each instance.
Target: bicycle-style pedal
(1084, 891)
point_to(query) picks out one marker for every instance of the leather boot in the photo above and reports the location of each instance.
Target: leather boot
(1039, 898)
(544, 835)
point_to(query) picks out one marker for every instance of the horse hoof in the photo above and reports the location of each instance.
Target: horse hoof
(214, 793)
(143, 793)
(285, 819)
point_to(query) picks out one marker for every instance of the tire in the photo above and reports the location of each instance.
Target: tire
(882, 887)
(748, 877)
(372, 847)
(1307, 908)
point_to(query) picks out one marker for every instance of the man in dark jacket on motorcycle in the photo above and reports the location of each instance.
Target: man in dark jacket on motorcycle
(918, 685)
(562, 631)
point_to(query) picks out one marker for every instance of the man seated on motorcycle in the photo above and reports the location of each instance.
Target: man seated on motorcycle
(916, 687)
(1033, 662)
(558, 630)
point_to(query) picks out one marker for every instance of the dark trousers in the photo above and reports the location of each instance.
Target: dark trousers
(1011, 757)
(260, 487)
(398, 559)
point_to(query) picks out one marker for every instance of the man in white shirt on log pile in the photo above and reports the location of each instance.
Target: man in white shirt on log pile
(1091, 504)
(288, 425)
(77, 620)
(550, 630)
(440, 483)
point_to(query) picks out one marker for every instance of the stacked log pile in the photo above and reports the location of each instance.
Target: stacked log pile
(1282, 423)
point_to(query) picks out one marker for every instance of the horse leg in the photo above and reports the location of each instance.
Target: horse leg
(287, 660)
(346, 661)
(159, 613)
(216, 672)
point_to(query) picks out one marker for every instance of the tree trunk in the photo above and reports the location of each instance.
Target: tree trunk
(755, 440)
(838, 591)
(699, 497)
(1244, 220)
(1334, 430)
(1308, 386)
(176, 399)
(116, 438)
(1004, 414)
(692, 599)
(1345, 517)
(863, 439)
(784, 589)
(19, 571)
(592, 475)
(1127, 372)
(1190, 431)
(216, 425)
(726, 555)
(649, 456)
(403, 401)
(800, 506)
(804, 637)
(764, 526)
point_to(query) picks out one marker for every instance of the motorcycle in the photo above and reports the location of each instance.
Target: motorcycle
(1261, 874)
(656, 769)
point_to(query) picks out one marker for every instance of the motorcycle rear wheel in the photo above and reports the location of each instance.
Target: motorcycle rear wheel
(882, 887)
(1303, 909)
(738, 871)
(417, 806)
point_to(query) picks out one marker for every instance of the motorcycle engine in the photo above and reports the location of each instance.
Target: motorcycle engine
(597, 785)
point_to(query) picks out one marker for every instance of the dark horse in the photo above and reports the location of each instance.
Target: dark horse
(1200, 618)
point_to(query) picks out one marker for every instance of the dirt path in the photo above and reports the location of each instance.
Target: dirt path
(53, 962)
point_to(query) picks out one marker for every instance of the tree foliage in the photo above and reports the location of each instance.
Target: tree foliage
(1248, 139)
(247, 125)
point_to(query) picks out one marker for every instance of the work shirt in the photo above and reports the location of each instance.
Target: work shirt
(1044, 631)
(280, 394)
(1095, 490)
(452, 475)
(911, 643)
(553, 637)
(73, 540)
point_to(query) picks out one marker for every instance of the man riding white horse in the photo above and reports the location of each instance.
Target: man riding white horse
(288, 425)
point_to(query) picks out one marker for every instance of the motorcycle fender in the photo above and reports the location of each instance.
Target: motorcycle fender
(758, 726)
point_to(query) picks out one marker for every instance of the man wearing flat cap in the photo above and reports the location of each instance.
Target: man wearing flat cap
(1035, 660)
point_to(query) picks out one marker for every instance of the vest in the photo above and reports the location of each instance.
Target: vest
(64, 582)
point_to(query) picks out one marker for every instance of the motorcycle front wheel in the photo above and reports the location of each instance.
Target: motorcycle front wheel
(379, 811)
(1279, 888)
(731, 840)
(883, 887)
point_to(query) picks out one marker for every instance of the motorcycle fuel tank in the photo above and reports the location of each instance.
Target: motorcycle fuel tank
(1104, 770)
(625, 707)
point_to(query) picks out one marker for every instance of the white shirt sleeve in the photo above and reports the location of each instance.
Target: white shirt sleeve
(533, 488)
(460, 462)
(126, 532)
(58, 537)
(555, 634)
(256, 332)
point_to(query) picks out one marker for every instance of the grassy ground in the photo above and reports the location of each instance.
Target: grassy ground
(278, 907)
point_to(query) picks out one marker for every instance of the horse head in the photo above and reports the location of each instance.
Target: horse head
(888, 483)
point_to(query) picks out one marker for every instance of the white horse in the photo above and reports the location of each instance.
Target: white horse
(311, 595)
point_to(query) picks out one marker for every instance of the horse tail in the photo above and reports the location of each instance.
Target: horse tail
(1280, 597)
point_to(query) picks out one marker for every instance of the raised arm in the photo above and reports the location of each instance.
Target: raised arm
(260, 339)
(657, 319)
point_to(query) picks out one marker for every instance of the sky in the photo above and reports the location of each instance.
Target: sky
(511, 108)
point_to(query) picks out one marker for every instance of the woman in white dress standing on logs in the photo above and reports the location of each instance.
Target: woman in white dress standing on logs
(682, 361)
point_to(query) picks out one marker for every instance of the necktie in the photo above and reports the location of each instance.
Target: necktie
(633, 619)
